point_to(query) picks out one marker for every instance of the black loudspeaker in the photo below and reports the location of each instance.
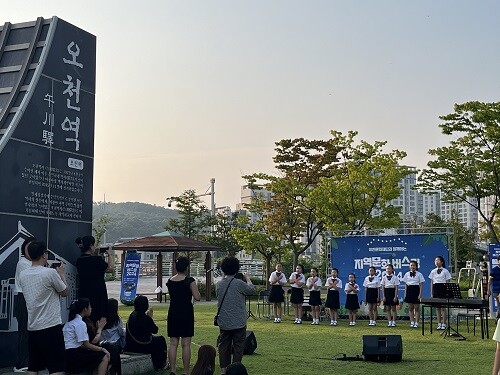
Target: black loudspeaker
(250, 343)
(383, 348)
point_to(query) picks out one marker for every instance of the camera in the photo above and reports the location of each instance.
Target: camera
(103, 250)
(240, 276)
(55, 265)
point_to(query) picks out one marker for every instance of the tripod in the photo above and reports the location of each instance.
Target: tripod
(250, 313)
(452, 291)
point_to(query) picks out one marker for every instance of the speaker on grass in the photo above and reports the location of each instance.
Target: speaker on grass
(383, 348)
(250, 343)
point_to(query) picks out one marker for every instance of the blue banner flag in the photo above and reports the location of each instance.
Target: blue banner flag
(130, 278)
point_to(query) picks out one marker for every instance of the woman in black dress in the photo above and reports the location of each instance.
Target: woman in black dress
(180, 321)
(139, 334)
(91, 268)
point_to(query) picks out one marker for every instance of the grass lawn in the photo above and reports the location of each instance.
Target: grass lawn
(305, 349)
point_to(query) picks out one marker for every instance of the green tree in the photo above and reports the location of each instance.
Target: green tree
(288, 213)
(357, 191)
(223, 236)
(194, 219)
(253, 237)
(468, 170)
(99, 227)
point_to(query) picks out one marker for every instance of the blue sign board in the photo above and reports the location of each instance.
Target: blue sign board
(494, 253)
(357, 253)
(130, 278)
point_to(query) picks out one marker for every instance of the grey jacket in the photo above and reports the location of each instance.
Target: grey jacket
(233, 314)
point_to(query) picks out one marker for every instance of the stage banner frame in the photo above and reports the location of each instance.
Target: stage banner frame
(357, 253)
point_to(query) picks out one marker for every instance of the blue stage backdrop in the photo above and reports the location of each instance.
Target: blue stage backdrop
(357, 253)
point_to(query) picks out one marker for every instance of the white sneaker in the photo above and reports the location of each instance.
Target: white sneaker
(374, 322)
(412, 325)
(299, 321)
(389, 323)
(278, 320)
(334, 322)
(393, 323)
(415, 325)
(23, 369)
(443, 326)
(353, 323)
(296, 321)
(331, 323)
(371, 323)
(439, 326)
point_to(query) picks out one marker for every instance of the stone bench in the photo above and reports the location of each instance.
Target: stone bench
(132, 364)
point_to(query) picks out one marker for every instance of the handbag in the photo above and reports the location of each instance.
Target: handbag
(221, 302)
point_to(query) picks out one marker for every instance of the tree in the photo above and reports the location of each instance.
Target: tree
(194, 217)
(222, 236)
(99, 227)
(288, 214)
(357, 191)
(468, 170)
(252, 236)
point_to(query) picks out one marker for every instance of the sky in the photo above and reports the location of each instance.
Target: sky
(193, 90)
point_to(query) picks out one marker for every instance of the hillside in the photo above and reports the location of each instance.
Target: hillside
(132, 219)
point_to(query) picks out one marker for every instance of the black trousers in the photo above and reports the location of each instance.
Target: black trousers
(21, 314)
(231, 341)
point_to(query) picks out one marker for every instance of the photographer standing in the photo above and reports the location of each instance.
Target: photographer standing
(91, 268)
(232, 315)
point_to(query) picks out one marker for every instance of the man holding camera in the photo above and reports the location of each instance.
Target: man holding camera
(232, 315)
(42, 288)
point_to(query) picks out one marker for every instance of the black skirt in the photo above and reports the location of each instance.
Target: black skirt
(297, 296)
(372, 295)
(82, 360)
(351, 302)
(314, 298)
(277, 294)
(333, 299)
(389, 294)
(412, 292)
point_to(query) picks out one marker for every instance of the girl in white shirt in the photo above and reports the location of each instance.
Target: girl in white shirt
(334, 284)
(414, 281)
(352, 302)
(390, 285)
(81, 355)
(277, 294)
(297, 281)
(439, 277)
(372, 294)
(314, 285)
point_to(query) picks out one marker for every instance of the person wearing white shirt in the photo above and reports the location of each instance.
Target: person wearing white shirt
(314, 285)
(42, 288)
(390, 285)
(20, 310)
(334, 284)
(277, 294)
(297, 281)
(372, 294)
(352, 302)
(81, 354)
(439, 277)
(413, 290)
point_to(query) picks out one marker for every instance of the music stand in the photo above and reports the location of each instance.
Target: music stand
(452, 291)
(250, 313)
